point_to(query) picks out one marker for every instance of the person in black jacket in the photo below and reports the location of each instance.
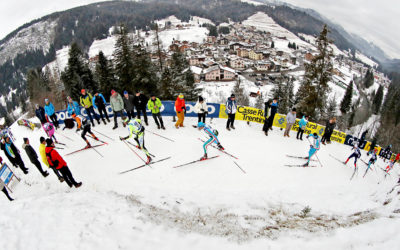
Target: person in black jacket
(129, 106)
(33, 157)
(99, 103)
(362, 139)
(329, 127)
(140, 102)
(273, 111)
(40, 114)
(12, 154)
(266, 115)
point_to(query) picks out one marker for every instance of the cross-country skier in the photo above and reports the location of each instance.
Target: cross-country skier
(212, 133)
(356, 154)
(390, 166)
(314, 147)
(49, 129)
(372, 160)
(136, 128)
(87, 129)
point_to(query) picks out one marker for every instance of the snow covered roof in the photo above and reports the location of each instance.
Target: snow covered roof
(196, 70)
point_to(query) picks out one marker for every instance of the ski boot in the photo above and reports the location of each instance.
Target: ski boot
(98, 121)
(148, 159)
(104, 121)
(163, 127)
(220, 146)
(306, 164)
(78, 184)
(88, 145)
(115, 126)
(204, 157)
(233, 127)
(158, 127)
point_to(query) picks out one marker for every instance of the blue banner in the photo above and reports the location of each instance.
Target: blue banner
(168, 109)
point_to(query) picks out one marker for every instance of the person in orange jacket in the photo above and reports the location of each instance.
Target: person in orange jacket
(180, 108)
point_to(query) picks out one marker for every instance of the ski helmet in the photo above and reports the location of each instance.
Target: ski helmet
(201, 124)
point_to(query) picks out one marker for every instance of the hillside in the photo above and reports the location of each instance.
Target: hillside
(35, 44)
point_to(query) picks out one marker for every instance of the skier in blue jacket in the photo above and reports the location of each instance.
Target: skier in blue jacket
(99, 103)
(356, 154)
(314, 147)
(50, 112)
(212, 133)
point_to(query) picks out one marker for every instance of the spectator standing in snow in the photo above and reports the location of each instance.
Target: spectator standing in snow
(362, 138)
(12, 154)
(154, 105)
(267, 113)
(201, 109)
(129, 105)
(40, 114)
(33, 157)
(231, 108)
(273, 111)
(86, 101)
(42, 152)
(180, 108)
(117, 105)
(329, 127)
(302, 126)
(50, 112)
(290, 120)
(99, 103)
(56, 161)
(140, 101)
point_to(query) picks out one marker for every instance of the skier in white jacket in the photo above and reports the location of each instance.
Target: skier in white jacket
(201, 109)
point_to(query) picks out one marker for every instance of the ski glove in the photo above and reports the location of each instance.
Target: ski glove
(202, 110)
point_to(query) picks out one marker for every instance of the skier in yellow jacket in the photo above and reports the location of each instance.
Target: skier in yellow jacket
(136, 129)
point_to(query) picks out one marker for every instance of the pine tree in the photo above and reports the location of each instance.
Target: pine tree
(331, 108)
(346, 101)
(272, 44)
(105, 76)
(318, 73)
(77, 75)
(123, 60)
(145, 74)
(242, 98)
(377, 102)
(166, 89)
(369, 79)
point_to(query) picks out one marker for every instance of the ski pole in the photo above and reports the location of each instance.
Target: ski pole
(133, 151)
(160, 136)
(315, 154)
(97, 151)
(137, 147)
(64, 136)
(103, 134)
(239, 166)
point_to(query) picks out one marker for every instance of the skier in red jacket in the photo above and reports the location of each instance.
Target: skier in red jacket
(55, 160)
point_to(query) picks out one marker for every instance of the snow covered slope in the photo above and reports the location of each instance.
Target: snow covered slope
(211, 204)
(38, 36)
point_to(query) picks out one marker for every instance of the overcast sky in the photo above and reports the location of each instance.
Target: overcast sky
(375, 20)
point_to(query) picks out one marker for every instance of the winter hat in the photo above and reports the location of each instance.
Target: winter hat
(37, 106)
(201, 99)
(112, 92)
(49, 141)
(152, 95)
(125, 92)
(46, 100)
(42, 139)
(294, 109)
(83, 91)
(233, 96)
(315, 135)
(25, 140)
(181, 96)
